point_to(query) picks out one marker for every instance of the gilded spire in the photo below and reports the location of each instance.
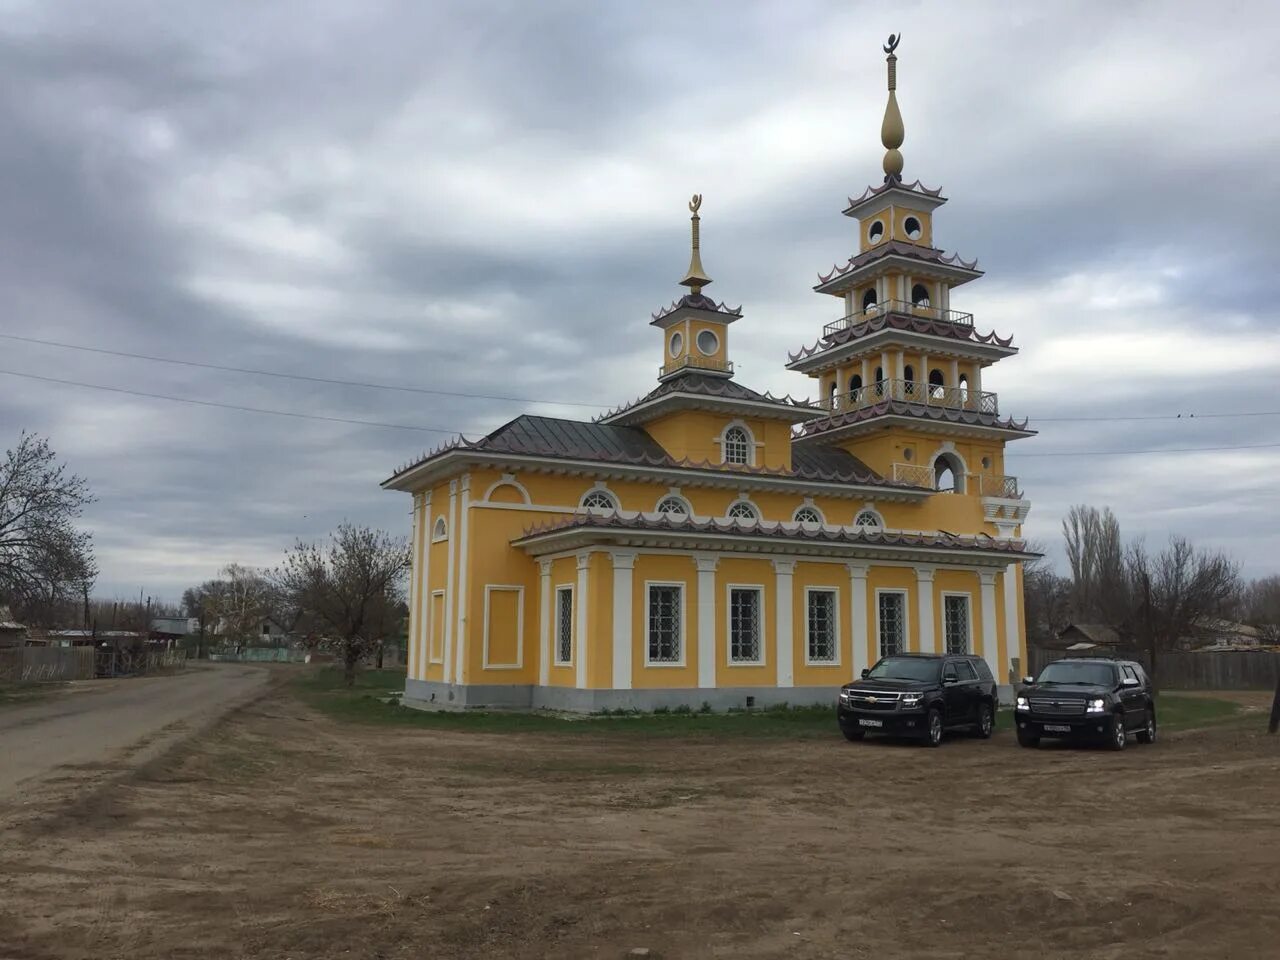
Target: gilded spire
(697, 277)
(891, 130)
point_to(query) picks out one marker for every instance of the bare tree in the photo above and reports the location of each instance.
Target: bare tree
(1175, 590)
(350, 589)
(241, 603)
(44, 559)
(201, 604)
(1096, 554)
(1260, 607)
(1047, 597)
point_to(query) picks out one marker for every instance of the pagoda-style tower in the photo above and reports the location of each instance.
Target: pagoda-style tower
(900, 372)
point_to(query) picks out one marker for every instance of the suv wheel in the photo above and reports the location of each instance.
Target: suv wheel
(1026, 739)
(853, 733)
(1117, 736)
(933, 728)
(1148, 733)
(986, 721)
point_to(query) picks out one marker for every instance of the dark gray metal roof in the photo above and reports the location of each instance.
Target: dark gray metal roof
(550, 436)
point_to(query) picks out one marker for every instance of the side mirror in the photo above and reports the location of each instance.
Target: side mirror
(1130, 682)
(1028, 681)
(865, 674)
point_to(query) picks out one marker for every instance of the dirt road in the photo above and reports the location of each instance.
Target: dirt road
(283, 833)
(103, 726)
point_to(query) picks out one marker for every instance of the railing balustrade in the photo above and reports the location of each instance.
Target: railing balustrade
(997, 486)
(920, 475)
(696, 363)
(924, 311)
(915, 474)
(913, 391)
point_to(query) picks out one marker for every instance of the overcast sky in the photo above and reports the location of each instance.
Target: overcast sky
(490, 198)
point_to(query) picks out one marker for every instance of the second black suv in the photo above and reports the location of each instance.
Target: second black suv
(1087, 699)
(919, 695)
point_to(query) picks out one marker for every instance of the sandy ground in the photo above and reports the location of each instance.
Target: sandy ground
(99, 727)
(282, 834)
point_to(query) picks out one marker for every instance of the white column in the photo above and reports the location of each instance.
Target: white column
(885, 370)
(623, 565)
(544, 622)
(706, 620)
(464, 516)
(922, 378)
(977, 377)
(580, 619)
(424, 590)
(924, 608)
(955, 373)
(900, 373)
(866, 372)
(415, 613)
(449, 578)
(858, 617)
(989, 650)
(782, 573)
(944, 298)
(1012, 635)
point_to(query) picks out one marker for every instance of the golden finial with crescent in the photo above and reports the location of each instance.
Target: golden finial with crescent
(695, 203)
(696, 278)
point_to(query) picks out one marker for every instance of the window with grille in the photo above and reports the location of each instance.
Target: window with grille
(742, 510)
(869, 520)
(893, 623)
(599, 500)
(737, 446)
(664, 623)
(674, 506)
(955, 623)
(822, 633)
(564, 624)
(808, 515)
(744, 624)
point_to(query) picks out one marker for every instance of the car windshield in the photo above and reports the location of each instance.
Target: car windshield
(904, 668)
(1064, 671)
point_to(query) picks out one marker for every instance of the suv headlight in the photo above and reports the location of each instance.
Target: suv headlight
(1022, 704)
(844, 694)
(1095, 706)
(911, 699)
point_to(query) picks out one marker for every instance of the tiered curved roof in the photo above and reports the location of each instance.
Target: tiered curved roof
(902, 248)
(905, 322)
(695, 301)
(701, 385)
(917, 411)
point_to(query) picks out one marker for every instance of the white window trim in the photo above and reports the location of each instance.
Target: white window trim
(507, 480)
(436, 535)
(715, 336)
(555, 626)
(742, 498)
(673, 348)
(684, 615)
(961, 469)
(432, 657)
(518, 590)
(728, 625)
(868, 509)
(599, 487)
(906, 619)
(753, 445)
(839, 642)
(969, 625)
(688, 507)
(808, 504)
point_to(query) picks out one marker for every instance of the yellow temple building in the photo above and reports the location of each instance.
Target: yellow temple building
(709, 544)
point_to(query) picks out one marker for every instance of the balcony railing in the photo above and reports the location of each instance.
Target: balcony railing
(919, 475)
(904, 307)
(913, 391)
(696, 363)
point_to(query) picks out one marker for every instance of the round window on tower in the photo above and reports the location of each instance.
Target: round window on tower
(708, 342)
(911, 227)
(677, 344)
(875, 233)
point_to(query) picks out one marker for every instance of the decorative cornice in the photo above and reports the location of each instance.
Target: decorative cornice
(696, 301)
(912, 251)
(898, 321)
(815, 428)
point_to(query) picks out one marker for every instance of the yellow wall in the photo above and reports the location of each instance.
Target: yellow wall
(692, 435)
(746, 573)
(666, 569)
(833, 575)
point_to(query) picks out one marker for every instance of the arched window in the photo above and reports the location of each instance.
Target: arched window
(599, 500)
(807, 514)
(936, 390)
(868, 300)
(911, 226)
(964, 389)
(673, 506)
(920, 295)
(909, 373)
(736, 446)
(440, 531)
(948, 474)
(831, 396)
(868, 520)
(879, 381)
(743, 510)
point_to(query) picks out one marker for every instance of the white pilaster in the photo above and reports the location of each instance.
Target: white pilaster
(580, 619)
(424, 590)
(922, 393)
(706, 620)
(449, 579)
(990, 653)
(955, 373)
(977, 377)
(858, 617)
(886, 371)
(464, 518)
(1012, 635)
(623, 565)
(415, 612)
(784, 654)
(544, 622)
(866, 372)
(924, 608)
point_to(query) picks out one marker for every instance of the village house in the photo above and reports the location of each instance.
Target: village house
(711, 544)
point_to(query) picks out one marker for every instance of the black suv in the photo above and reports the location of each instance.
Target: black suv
(919, 695)
(1087, 699)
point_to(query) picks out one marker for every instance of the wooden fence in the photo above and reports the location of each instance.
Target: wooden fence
(1216, 670)
(43, 664)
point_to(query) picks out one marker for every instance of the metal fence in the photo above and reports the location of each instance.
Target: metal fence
(1181, 670)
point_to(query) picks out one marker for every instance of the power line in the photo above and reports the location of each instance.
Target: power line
(420, 428)
(292, 376)
(228, 406)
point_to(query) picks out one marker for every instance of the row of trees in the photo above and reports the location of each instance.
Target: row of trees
(1155, 597)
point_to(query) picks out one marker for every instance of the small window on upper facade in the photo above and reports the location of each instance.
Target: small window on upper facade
(875, 233)
(920, 295)
(708, 342)
(869, 520)
(868, 300)
(599, 500)
(737, 446)
(912, 227)
(743, 510)
(946, 476)
(677, 344)
(674, 506)
(440, 531)
(807, 515)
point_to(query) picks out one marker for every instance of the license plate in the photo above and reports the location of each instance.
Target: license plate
(871, 723)
(1057, 727)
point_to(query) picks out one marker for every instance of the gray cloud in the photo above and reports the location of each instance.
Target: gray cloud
(489, 198)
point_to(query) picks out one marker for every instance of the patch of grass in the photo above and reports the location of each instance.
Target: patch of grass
(1187, 713)
(16, 694)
